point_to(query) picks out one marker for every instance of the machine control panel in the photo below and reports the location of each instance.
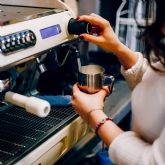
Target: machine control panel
(17, 41)
(26, 39)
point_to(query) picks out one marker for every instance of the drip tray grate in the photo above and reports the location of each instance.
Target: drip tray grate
(21, 132)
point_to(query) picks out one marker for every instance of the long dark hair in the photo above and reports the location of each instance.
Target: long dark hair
(152, 35)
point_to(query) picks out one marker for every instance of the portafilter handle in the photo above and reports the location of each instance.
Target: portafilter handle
(33, 105)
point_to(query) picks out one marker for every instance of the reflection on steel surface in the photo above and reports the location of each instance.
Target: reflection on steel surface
(12, 14)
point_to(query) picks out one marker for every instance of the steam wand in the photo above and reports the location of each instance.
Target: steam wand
(71, 49)
(74, 49)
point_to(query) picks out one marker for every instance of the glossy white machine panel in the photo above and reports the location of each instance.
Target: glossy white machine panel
(42, 44)
(38, 29)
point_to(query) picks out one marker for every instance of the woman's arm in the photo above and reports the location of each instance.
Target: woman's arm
(108, 40)
(107, 131)
(83, 103)
(125, 148)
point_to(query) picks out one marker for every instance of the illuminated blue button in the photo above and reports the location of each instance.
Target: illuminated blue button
(7, 37)
(17, 35)
(27, 32)
(13, 36)
(2, 39)
(22, 33)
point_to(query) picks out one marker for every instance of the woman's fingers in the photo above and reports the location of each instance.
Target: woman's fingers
(94, 19)
(90, 38)
(103, 92)
(76, 92)
(75, 89)
(95, 15)
(106, 89)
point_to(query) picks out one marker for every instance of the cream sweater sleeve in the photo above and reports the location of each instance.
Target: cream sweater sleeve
(134, 75)
(129, 149)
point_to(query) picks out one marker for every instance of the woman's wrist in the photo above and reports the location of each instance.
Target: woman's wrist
(120, 49)
(95, 117)
(107, 131)
(127, 57)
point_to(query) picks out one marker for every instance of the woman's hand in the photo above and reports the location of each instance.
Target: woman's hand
(83, 102)
(107, 39)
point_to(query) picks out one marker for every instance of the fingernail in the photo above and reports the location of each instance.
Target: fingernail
(77, 18)
(81, 37)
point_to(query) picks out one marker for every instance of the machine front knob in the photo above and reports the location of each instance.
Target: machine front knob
(79, 27)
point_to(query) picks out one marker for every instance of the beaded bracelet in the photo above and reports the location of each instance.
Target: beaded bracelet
(98, 126)
(101, 123)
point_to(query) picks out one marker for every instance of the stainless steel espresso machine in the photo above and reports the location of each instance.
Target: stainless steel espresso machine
(37, 58)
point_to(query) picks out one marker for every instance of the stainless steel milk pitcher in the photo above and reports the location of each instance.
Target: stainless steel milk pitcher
(91, 79)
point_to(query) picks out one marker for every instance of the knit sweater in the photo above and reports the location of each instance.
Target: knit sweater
(145, 144)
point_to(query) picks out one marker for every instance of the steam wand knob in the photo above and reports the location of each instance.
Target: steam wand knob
(79, 27)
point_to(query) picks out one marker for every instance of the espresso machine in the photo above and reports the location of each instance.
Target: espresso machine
(38, 66)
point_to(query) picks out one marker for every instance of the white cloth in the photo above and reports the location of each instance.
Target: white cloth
(145, 145)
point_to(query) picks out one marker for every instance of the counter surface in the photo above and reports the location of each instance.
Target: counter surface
(117, 106)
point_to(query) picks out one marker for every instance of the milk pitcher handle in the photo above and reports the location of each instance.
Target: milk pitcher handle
(109, 82)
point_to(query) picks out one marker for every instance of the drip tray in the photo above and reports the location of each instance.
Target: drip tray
(21, 132)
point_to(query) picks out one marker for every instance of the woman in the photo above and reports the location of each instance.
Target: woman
(145, 144)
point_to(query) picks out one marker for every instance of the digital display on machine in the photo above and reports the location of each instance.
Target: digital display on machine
(50, 31)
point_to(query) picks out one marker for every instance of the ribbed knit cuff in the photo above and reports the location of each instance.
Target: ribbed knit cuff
(135, 74)
(127, 148)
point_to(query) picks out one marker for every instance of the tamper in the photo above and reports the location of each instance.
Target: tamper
(33, 105)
